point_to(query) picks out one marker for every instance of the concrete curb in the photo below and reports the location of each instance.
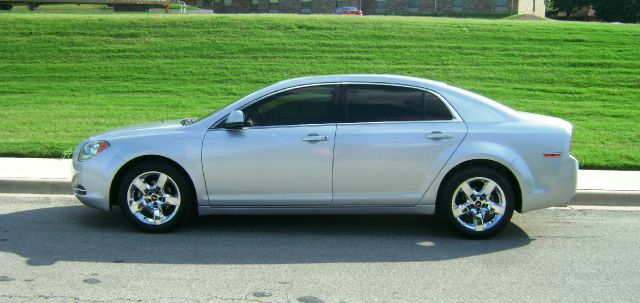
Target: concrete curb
(35, 186)
(607, 198)
(63, 187)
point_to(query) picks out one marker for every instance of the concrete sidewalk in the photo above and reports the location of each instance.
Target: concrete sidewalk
(35, 176)
(53, 176)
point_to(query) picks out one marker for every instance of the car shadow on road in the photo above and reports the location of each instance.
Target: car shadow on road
(77, 233)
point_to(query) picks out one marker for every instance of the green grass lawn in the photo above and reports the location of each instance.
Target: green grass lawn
(65, 76)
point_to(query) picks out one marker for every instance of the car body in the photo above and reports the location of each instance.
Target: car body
(338, 144)
(348, 10)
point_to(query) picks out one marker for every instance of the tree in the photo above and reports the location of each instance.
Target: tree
(606, 10)
(569, 6)
(617, 10)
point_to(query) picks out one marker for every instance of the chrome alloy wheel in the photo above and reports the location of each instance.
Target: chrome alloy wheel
(153, 198)
(478, 203)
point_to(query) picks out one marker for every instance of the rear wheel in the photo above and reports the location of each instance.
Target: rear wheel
(155, 197)
(477, 202)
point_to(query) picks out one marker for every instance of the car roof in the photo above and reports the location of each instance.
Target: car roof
(364, 78)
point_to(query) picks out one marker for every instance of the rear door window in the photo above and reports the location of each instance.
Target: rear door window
(381, 103)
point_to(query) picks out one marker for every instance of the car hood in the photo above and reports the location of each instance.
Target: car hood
(138, 129)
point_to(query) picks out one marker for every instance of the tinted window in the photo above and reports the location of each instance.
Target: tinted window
(375, 103)
(309, 105)
(371, 103)
(434, 109)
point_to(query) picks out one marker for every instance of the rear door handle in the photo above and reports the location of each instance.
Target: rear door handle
(314, 138)
(438, 135)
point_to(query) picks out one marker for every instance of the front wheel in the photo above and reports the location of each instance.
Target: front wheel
(477, 202)
(155, 197)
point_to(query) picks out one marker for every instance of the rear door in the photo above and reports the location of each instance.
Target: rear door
(391, 144)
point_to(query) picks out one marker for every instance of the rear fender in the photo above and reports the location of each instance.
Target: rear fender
(476, 150)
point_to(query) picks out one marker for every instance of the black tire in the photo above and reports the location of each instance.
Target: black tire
(485, 225)
(177, 188)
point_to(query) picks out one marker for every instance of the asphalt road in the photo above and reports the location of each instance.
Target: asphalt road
(55, 250)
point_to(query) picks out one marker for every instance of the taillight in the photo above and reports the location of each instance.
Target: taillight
(551, 155)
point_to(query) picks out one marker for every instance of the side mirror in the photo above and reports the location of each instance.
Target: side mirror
(235, 120)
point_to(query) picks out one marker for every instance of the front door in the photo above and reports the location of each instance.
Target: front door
(283, 156)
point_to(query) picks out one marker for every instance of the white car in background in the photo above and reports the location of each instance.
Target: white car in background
(336, 144)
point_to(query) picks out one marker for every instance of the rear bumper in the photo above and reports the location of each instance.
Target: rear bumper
(555, 184)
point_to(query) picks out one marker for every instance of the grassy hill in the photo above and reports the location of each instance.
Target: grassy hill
(63, 77)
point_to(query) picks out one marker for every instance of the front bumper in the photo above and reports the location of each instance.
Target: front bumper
(92, 180)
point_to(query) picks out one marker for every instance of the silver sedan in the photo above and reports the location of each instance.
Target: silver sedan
(335, 144)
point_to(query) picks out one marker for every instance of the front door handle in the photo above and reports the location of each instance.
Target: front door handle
(438, 135)
(314, 138)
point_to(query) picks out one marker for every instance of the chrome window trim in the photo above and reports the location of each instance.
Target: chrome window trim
(401, 122)
(277, 126)
(454, 113)
(340, 124)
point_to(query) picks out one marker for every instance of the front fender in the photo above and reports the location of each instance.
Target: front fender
(185, 151)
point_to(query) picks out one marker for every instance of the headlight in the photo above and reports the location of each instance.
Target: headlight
(92, 148)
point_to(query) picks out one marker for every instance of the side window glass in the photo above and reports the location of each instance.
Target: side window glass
(307, 105)
(376, 103)
(434, 109)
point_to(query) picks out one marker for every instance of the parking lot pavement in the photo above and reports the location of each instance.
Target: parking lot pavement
(56, 250)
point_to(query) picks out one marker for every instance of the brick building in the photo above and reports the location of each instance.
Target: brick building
(383, 7)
